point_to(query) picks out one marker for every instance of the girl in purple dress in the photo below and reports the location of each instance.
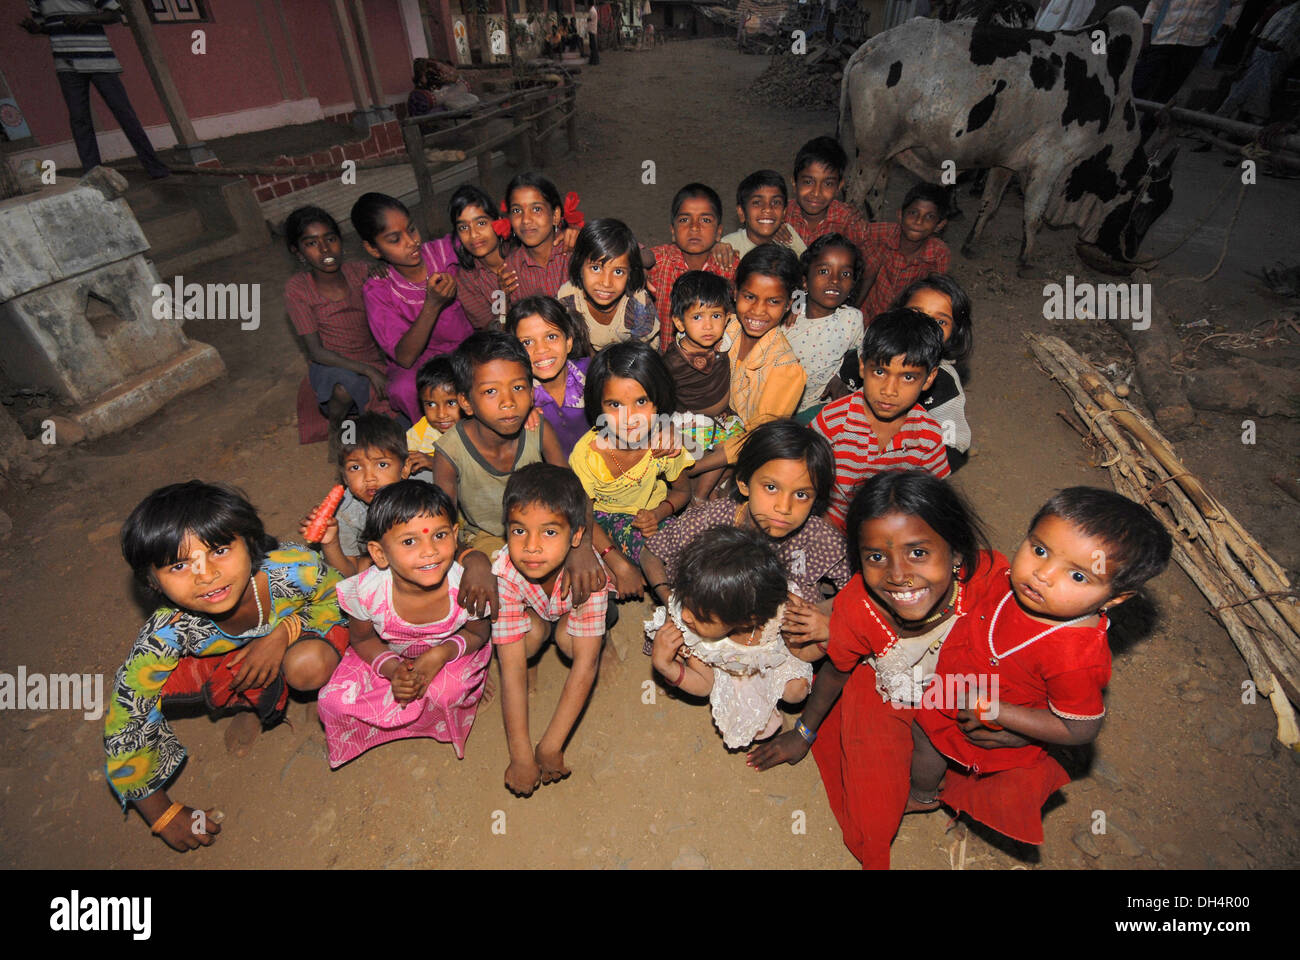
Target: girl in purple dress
(558, 350)
(411, 308)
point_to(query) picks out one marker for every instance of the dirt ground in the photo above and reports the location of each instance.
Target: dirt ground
(1187, 775)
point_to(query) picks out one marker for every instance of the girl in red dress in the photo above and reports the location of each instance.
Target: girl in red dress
(921, 561)
(1039, 643)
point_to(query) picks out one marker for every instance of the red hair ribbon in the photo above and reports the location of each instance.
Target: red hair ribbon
(501, 227)
(572, 215)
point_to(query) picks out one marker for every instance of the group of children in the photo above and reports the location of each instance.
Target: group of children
(580, 412)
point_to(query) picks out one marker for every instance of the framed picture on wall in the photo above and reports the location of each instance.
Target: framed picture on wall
(178, 11)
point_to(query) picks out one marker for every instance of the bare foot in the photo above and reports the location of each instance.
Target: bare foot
(242, 733)
(552, 764)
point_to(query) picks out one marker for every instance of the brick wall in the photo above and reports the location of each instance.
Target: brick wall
(385, 140)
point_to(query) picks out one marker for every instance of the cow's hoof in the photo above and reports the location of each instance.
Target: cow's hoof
(1099, 260)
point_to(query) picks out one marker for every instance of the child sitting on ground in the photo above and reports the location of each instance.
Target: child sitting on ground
(882, 426)
(761, 200)
(475, 459)
(556, 342)
(783, 479)
(372, 455)
(606, 285)
(697, 229)
(327, 308)
(941, 298)
(436, 383)
(898, 253)
(540, 263)
(633, 485)
(240, 620)
(766, 378)
(1087, 551)
(818, 175)
(416, 666)
(545, 515)
(701, 374)
(720, 635)
(826, 328)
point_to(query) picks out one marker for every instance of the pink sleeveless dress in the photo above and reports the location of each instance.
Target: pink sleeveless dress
(357, 706)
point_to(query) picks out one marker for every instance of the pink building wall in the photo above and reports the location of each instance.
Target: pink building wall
(234, 86)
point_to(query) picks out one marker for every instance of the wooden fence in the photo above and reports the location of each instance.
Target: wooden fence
(534, 114)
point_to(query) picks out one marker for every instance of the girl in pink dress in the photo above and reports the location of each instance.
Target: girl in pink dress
(415, 667)
(412, 307)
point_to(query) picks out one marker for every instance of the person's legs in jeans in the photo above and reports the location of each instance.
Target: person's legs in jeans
(76, 93)
(110, 87)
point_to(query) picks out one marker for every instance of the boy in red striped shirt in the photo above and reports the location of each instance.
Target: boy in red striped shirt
(882, 426)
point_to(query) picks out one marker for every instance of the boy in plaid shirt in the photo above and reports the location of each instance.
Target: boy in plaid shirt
(545, 511)
(697, 230)
(899, 254)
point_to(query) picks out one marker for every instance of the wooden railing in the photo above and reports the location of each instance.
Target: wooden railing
(527, 110)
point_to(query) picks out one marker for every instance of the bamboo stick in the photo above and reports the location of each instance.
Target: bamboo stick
(1248, 591)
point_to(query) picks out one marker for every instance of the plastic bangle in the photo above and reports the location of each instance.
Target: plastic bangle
(821, 645)
(681, 676)
(602, 553)
(382, 659)
(161, 823)
(459, 641)
(293, 625)
(809, 736)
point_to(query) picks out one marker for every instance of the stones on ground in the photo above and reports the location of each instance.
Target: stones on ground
(1258, 743)
(1123, 842)
(1087, 843)
(688, 858)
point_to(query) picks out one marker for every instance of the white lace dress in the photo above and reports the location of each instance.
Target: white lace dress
(747, 680)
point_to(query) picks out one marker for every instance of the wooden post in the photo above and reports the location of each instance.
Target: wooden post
(363, 117)
(188, 145)
(368, 55)
(525, 129)
(414, 138)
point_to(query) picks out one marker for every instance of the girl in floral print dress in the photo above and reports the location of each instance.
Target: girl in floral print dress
(241, 620)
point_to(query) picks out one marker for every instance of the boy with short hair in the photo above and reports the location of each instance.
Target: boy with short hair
(697, 231)
(761, 201)
(882, 426)
(899, 253)
(475, 458)
(701, 307)
(545, 515)
(435, 385)
(372, 451)
(818, 175)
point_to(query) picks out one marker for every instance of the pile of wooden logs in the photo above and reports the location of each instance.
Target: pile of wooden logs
(1249, 592)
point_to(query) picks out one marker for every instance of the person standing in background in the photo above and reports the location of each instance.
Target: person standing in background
(593, 26)
(83, 56)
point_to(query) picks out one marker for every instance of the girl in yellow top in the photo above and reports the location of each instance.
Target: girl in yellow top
(633, 489)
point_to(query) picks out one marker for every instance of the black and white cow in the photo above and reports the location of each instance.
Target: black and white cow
(1054, 108)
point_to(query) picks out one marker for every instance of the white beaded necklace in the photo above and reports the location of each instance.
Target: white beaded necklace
(261, 616)
(995, 656)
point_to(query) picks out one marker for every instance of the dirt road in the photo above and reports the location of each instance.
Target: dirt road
(1186, 774)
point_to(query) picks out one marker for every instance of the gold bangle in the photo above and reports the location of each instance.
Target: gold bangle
(293, 625)
(161, 823)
